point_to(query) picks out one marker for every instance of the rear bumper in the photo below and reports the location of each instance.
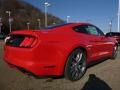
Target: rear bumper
(35, 69)
(33, 61)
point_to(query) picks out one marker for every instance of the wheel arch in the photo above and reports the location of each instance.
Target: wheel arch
(78, 47)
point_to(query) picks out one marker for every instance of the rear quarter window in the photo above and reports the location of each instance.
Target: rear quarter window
(92, 30)
(80, 28)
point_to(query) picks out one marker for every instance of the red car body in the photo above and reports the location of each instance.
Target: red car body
(45, 52)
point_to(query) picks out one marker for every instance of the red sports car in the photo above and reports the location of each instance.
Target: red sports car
(65, 49)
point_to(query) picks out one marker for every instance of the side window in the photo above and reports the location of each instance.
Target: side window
(100, 32)
(92, 30)
(80, 28)
(88, 29)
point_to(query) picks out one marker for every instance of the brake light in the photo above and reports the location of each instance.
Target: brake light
(28, 42)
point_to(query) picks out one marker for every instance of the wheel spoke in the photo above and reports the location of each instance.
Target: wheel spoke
(72, 69)
(74, 73)
(81, 68)
(80, 57)
(74, 59)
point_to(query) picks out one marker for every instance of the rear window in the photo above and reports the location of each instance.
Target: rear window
(80, 28)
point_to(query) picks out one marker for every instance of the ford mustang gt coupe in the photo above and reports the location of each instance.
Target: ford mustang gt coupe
(61, 50)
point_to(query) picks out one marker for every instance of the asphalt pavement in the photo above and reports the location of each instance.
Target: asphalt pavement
(103, 76)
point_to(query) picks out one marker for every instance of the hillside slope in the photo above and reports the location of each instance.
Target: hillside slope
(22, 13)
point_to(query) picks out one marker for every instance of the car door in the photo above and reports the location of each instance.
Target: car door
(98, 42)
(107, 44)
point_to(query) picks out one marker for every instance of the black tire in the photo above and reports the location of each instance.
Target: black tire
(115, 52)
(76, 65)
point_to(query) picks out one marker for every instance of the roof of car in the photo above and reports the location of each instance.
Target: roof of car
(66, 24)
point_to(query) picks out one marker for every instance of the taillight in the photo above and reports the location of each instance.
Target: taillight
(28, 42)
(22, 41)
